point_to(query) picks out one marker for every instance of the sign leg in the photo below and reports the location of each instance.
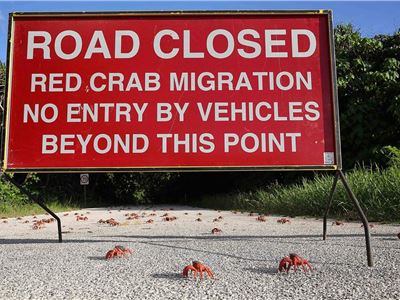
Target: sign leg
(84, 195)
(40, 203)
(362, 216)
(330, 199)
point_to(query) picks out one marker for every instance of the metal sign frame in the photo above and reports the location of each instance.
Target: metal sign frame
(172, 14)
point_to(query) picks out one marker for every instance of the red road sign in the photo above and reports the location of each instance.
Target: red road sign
(170, 91)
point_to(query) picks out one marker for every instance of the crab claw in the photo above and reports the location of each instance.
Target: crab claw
(299, 261)
(285, 264)
(188, 268)
(202, 268)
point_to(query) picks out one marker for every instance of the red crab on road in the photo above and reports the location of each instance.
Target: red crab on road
(338, 223)
(110, 222)
(118, 251)
(197, 267)
(293, 260)
(370, 225)
(216, 230)
(169, 219)
(39, 224)
(283, 220)
(261, 219)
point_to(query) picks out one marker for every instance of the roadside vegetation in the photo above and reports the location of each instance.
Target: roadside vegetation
(376, 189)
(369, 99)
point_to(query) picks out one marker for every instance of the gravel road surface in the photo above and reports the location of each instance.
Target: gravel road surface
(244, 257)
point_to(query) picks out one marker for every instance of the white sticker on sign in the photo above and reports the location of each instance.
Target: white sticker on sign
(329, 158)
(84, 179)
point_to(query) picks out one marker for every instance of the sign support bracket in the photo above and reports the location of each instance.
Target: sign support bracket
(339, 174)
(35, 199)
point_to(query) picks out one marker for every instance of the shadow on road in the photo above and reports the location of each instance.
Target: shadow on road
(174, 238)
(268, 270)
(167, 275)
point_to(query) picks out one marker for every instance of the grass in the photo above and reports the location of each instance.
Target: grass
(34, 209)
(377, 191)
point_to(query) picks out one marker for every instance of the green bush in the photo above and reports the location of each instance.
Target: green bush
(14, 203)
(10, 197)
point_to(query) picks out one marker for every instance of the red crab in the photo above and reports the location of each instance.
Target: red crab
(39, 224)
(261, 219)
(132, 216)
(216, 230)
(110, 222)
(169, 219)
(293, 260)
(118, 251)
(283, 220)
(81, 218)
(49, 220)
(197, 267)
(150, 221)
(337, 223)
(370, 225)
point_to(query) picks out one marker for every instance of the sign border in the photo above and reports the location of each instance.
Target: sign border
(173, 14)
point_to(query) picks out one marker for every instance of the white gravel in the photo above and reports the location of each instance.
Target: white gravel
(244, 258)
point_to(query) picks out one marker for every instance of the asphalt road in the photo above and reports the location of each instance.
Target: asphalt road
(244, 257)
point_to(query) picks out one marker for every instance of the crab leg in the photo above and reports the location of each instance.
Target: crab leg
(308, 265)
(303, 265)
(209, 273)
